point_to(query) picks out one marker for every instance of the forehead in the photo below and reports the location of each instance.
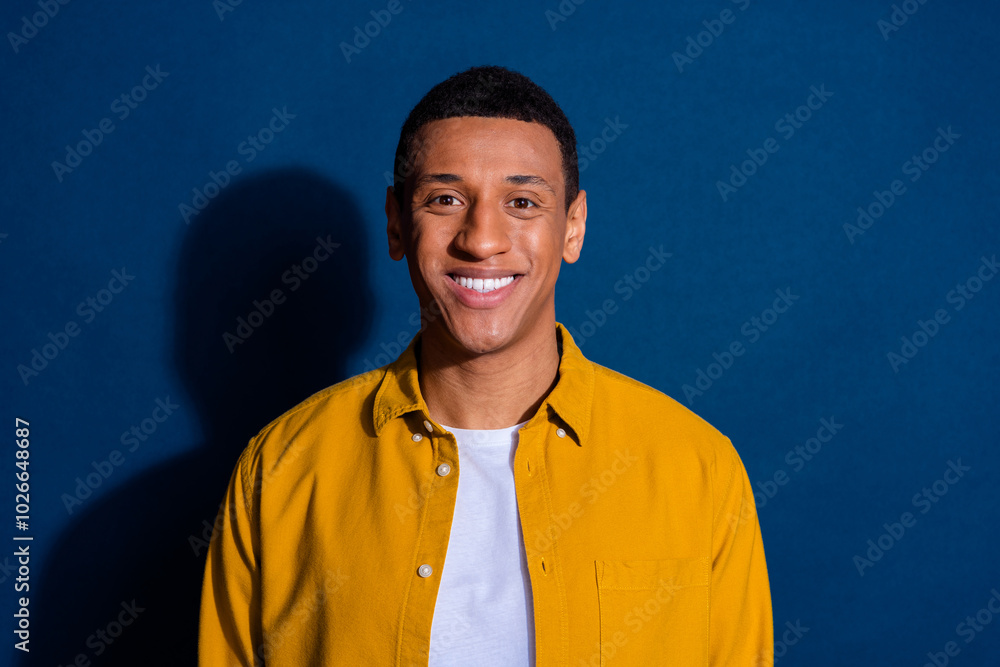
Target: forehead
(485, 145)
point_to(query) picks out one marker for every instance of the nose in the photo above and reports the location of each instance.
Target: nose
(484, 231)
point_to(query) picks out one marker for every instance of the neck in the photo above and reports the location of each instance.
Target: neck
(488, 391)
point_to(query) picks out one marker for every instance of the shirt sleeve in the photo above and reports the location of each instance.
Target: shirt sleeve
(741, 627)
(229, 626)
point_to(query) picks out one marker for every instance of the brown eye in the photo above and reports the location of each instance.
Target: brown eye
(523, 202)
(445, 200)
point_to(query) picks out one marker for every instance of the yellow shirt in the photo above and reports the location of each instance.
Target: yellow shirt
(641, 535)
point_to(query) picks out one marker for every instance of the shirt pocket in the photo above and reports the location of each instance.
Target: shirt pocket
(654, 612)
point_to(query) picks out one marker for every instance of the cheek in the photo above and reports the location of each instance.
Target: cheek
(542, 246)
(430, 251)
(433, 236)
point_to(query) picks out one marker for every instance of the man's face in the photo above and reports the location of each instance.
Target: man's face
(485, 206)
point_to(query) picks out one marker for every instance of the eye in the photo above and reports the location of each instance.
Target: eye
(523, 202)
(445, 200)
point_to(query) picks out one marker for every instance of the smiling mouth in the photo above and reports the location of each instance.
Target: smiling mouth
(483, 285)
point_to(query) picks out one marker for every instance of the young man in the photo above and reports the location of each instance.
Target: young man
(491, 497)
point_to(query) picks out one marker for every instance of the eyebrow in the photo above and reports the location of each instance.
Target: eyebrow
(514, 179)
(519, 179)
(436, 178)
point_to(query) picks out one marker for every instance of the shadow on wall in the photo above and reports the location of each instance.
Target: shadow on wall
(290, 247)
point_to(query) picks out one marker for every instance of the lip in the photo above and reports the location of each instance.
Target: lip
(473, 272)
(473, 299)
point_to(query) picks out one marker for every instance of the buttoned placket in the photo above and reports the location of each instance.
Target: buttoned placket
(435, 516)
(534, 505)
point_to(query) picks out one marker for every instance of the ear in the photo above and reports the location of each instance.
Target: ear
(576, 227)
(394, 225)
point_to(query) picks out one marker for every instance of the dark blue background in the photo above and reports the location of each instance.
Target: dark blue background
(135, 537)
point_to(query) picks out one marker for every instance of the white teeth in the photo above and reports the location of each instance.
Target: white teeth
(482, 285)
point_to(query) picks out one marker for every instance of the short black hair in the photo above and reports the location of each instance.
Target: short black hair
(489, 92)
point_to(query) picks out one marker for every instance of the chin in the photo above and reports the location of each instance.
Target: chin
(482, 337)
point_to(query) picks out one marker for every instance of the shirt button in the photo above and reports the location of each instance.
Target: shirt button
(561, 432)
(428, 426)
(443, 470)
(417, 437)
(425, 570)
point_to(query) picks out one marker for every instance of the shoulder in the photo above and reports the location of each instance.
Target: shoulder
(646, 402)
(329, 410)
(643, 409)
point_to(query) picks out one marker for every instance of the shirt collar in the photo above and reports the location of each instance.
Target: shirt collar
(571, 398)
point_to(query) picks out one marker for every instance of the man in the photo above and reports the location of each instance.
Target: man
(491, 497)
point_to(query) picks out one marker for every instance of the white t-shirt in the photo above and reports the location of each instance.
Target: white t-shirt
(483, 614)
